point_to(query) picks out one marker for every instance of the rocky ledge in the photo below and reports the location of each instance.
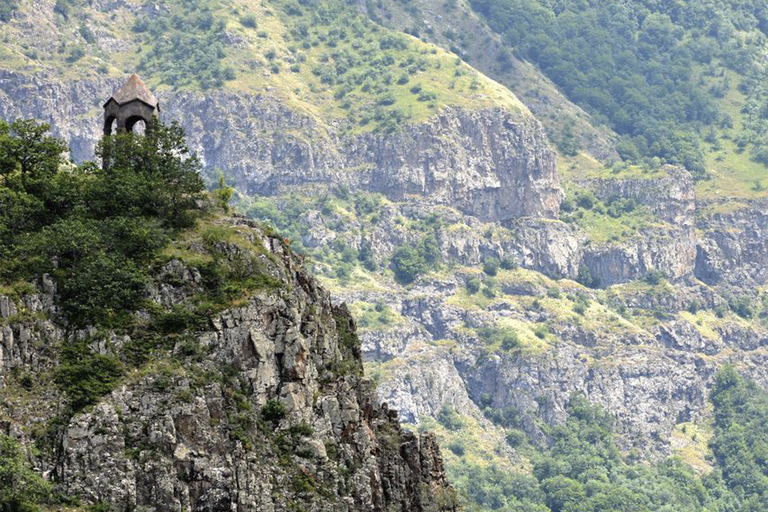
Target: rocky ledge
(265, 408)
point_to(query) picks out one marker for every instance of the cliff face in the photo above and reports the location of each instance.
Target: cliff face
(732, 251)
(492, 164)
(263, 409)
(668, 245)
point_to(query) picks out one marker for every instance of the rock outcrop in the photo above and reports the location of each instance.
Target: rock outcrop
(493, 164)
(192, 429)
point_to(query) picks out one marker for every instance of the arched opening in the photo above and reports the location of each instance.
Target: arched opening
(136, 125)
(110, 125)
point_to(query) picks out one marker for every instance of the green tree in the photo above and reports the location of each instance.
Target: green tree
(21, 489)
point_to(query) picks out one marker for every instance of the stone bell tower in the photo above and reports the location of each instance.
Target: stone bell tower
(132, 103)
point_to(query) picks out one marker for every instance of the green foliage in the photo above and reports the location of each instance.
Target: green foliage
(742, 306)
(585, 277)
(86, 376)
(273, 411)
(632, 65)
(491, 266)
(186, 48)
(95, 231)
(449, 418)
(7, 9)
(408, 262)
(580, 468)
(740, 443)
(249, 20)
(655, 277)
(21, 488)
(507, 339)
(223, 193)
(473, 285)
(458, 447)
(515, 438)
(508, 263)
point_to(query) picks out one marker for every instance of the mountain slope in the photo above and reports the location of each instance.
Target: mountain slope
(496, 276)
(157, 354)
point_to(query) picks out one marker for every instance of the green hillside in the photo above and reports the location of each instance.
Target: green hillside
(680, 82)
(324, 59)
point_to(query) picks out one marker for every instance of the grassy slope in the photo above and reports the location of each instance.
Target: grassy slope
(285, 53)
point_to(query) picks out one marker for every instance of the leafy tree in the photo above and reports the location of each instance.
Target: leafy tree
(633, 65)
(21, 489)
(95, 230)
(408, 262)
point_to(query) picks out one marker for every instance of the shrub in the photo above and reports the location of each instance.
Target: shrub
(449, 418)
(491, 267)
(508, 263)
(301, 429)
(510, 341)
(273, 411)
(21, 488)
(86, 376)
(249, 20)
(408, 262)
(655, 277)
(742, 306)
(7, 9)
(541, 331)
(585, 199)
(458, 447)
(515, 438)
(473, 285)
(585, 277)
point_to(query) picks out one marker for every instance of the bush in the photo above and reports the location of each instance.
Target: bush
(491, 267)
(458, 447)
(515, 438)
(655, 277)
(408, 262)
(273, 411)
(7, 9)
(585, 277)
(509, 263)
(541, 331)
(742, 306)
(510, 341)
(473, 285)
(86, 376)
(449, 418)
(21, 489)
(249, 20)
(585, 199)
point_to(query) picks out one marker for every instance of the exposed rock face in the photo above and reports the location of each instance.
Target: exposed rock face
(190, 435)
(492, 164)
(668, 246)
(734, 249)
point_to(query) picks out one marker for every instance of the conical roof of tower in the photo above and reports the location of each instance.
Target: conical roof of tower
(134, 89)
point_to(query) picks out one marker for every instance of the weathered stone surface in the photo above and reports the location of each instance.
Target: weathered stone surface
(173, 437)
(493, 164)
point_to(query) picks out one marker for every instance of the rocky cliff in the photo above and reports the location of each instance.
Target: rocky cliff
(493, 164)
(264, 407)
